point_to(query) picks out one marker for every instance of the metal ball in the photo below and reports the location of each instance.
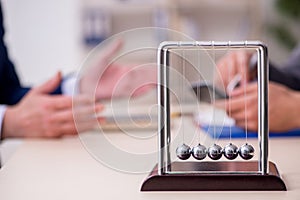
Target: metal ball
(183, 152)
(215, 152)
(246, 151)
(231, 151)
(199, 152)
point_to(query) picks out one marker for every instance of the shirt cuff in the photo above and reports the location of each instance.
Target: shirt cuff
(68, 85)
(2, 112)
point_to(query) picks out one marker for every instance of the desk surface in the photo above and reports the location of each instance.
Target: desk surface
(63, 169)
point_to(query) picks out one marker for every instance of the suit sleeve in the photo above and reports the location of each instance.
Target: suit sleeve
(11, 91)
(289, 74)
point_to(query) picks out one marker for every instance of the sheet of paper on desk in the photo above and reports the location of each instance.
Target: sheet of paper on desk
(130, 114)
(124, 118)
(129, 123)
(209, 115)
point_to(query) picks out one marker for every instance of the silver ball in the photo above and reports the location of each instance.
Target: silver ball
(183, 152)
(215, 152)
(246, 151)
(199, 152)
(231, 151)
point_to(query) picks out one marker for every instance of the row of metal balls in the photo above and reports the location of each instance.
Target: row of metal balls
(215, 152)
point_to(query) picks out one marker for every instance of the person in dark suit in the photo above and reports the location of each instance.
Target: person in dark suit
(10, 87)
(284, 92)
(289, 73)
(44, 111)
(24, 118)
(36, 112)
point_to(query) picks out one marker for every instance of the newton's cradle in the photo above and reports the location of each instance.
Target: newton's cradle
(213, 175)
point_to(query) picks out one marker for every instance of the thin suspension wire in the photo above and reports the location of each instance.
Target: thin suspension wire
(245, 104)
(229, 101)
(182, 92)
(198, 88)
(214, 96)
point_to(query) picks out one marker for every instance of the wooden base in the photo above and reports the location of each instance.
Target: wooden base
(230, 177)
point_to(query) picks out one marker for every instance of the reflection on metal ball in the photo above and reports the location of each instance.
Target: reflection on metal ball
(183, 152)
(246, 151)
(199, 152)
(215, 152)
(231, 151)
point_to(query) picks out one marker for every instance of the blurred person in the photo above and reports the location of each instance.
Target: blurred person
(44, 111)
(284, 91)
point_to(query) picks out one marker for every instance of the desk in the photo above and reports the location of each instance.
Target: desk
(63, 169)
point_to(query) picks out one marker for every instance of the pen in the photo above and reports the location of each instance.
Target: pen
(233, 83)
(238, 77)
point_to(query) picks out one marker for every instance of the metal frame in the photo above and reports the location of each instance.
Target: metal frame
(164, 99)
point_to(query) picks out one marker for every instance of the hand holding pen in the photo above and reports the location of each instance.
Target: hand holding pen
(236, 68)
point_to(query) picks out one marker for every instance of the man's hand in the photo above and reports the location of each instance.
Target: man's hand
(284, 114)
(235, 62)
(39, 114)
(108, 79)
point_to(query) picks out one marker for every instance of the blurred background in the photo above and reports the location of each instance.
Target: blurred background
(46, 36)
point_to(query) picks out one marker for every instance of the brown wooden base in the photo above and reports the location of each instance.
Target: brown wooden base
(226, 180)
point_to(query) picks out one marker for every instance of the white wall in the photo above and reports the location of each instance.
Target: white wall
(42, 37)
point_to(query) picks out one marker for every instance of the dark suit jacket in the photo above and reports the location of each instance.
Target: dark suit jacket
(11, 90)
(289, 74)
